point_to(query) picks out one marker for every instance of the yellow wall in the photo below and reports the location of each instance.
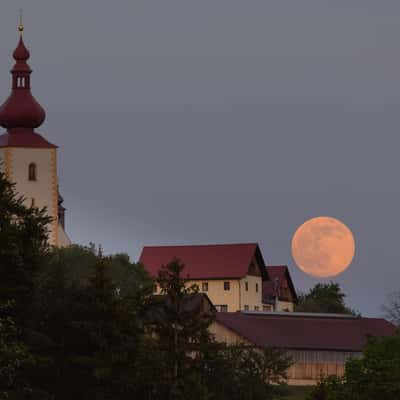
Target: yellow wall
(235, 298)
(251, 297)
(225, 335)
(284, 306)
(44, 189)
(218, 295)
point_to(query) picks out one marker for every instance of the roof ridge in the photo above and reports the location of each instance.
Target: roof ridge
(204, 245)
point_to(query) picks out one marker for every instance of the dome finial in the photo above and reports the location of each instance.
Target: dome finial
(21, 25)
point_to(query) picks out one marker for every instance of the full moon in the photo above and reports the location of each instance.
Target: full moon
(323, 247)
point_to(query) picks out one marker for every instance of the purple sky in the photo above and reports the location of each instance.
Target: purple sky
(221, 121)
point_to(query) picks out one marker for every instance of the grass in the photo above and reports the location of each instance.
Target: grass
(298, 392)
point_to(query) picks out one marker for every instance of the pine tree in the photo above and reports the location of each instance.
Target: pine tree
(181, 334)
(23, 242)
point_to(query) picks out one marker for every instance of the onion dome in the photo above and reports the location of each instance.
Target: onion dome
(21, 111)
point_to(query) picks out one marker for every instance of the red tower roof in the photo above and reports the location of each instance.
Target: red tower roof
(21, 113)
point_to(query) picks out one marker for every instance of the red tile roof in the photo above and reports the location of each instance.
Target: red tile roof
(24, 138)
(305, 332)
(279, 278)
(204, 261)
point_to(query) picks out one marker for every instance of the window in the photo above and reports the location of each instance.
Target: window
(227, 286)
(246, 286)
(256, 287)
(256, 308)
(222, 308)
(267, 308)
(20, 81)
(32, 172)
(204, 286)
(246, 308)
(155, 288)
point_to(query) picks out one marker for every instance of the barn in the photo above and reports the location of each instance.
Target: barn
(318, 343)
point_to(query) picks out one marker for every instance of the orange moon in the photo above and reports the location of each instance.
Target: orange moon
(323, 247)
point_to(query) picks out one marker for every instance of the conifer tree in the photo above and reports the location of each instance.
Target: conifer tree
(23, 241)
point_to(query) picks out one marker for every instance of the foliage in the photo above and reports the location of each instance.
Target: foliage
(324, 298)
(195, 365)
(76, 324)
(90, 331)
(23, 241)
(374, 376)
(392, 308)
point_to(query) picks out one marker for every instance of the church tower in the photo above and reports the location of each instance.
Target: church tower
(29, 160)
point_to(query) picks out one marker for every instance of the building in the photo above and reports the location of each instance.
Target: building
(28, 159)
(318, 343)
(232, 275)
(279, 291)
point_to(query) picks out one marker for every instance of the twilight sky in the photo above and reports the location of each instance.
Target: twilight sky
(219, 121)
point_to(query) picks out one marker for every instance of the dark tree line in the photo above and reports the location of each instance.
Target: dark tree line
(77, 325)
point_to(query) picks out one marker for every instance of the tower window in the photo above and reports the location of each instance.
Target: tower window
(227, 286)
(32, 172)
(20, 82)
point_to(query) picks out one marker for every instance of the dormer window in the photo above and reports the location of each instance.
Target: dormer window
(32, 176)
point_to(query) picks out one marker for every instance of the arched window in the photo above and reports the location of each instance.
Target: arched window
(32, 172)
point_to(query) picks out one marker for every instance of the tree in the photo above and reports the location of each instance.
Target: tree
(193, 364)
(392, 308)
(23, 242)
(374, 376)
(179, 333)
(324, 298)
(88, 330)
(247, 373)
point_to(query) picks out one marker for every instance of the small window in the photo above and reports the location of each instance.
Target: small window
(227, 286)
(223, 308)
(32, 176)
(204, 286)
(246, 286)
(256, 308)
(256, 287)
(246, 308)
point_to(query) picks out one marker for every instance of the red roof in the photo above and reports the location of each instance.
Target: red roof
(279, 280)
(291, 331)
(20, 114)
(204, 261)
(22, 138)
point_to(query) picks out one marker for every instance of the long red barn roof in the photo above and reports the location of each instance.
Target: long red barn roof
(203, 261)
(306, 332)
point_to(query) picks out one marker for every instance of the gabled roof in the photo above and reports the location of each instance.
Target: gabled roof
(196, 303)
(25, 139)
(279, 275)
(215, 261)
(291, 331)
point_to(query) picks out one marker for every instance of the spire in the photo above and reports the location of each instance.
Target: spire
(21, 112)
(21, 25)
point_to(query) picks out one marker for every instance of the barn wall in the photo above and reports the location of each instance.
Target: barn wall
(308, 365)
